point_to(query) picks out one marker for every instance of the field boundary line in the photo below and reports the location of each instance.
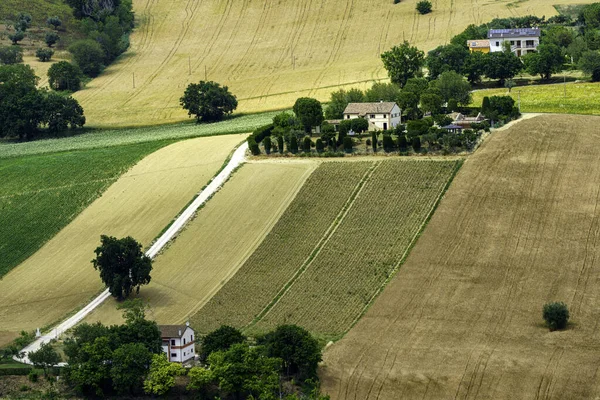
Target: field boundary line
(274, 218)
(238, 158)
(322, 242)
(457, 166)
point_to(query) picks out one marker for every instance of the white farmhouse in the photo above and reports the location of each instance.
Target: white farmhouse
(382, 115)
(522, 41)
(178, 342)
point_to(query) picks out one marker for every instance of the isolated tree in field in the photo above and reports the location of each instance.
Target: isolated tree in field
(23, 21)
(547, 60)
(122, 265)
(44, 55)
(219, 340)
(403, 62)
(11, 55)
(502, 65)
(45, 357)
(208, 101)
(64, 76)
(556, 315)
(16, 37)
(89, 56)
(55, 22)
(309, 111)
(424, 7)
(590, 64)
(51, 38)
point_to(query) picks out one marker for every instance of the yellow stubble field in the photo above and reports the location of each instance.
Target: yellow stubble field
(270, 53)
(217, 242)
(59, 277)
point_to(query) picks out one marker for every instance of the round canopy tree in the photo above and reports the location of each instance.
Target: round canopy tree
(122, 265)
(208, 101)
(309, 111)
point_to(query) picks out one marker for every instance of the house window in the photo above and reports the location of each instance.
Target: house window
(497, 44)
(192, 349)
(384, 115)
(372, 115)
(183, 340)
(347, 117)
(512, 42)
(172, 342)
(173, 355)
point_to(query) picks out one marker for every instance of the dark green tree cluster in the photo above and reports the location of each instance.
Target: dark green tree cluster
(27, 112)
(208, 101)
(424, 7)
(238, 370)
(309, 113)
(64, 76)
(44, 55)
(22, 23)
(122, 264)
(11, 55)
(104, 360)
(556, 315)
(339, 101)
(106, 26)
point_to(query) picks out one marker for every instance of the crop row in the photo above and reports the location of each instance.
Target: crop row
(286, 248)
(365, 249)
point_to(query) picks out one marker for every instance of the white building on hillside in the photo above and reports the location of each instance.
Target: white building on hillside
(178, 342)
(382, 115)
(522, 41)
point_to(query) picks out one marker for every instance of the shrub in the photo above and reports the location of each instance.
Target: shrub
(11, 55)
(16, 37)
(51, 38)
(280, 144)
(44, 54)
(374, 141)
(220, 339)
(306, 144)
(33, 376)
(267, 144)
(253, 146)
(89, 56)
(293, 145)
(556, 315)
(402, 142)
(54, 22)
(348, 144)
(424, 7)
(319, 145)
(416, 144)
(64, 76)
(388, 143)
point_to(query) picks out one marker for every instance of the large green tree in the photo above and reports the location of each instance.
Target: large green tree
(64, 76)
(61, 113)
(450, 57)
(220, 339)
(381, 91)
(309, 111)
(547, 60)
(89, 56)
(403, 62)
(45, 357)
(129, 366)
(208, 101)
(475, 66)
(122, 265)
(590, 64)
(502, 65)
(453, 86)
(340, 99)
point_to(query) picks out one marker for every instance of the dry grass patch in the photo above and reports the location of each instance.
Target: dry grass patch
(216, 243)
(269, 53)
(518, 228)
(59, 277)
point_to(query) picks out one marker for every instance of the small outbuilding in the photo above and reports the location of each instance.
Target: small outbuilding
(453, 128)
(178, 342)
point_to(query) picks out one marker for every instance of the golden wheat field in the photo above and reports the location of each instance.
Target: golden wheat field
(59, 277)
(216, 243)
(519, 227)
(269, 53)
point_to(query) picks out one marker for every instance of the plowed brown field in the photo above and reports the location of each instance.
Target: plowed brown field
(519, 227)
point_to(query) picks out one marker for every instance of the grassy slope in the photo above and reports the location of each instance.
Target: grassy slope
(41, 194)
(334, 247)
(519, 227)
(249, 46)
(215, 244)
(117, 137)
(59, 277)
(581, 98)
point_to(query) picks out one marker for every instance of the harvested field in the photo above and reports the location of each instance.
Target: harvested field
(216, 243)
(41, 194)
(518, 228)
(59, 277)
(285, 248)
(572, 98)
(365, 248)
(269, 53)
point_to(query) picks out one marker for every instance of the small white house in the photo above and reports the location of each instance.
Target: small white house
(178, 342)
(522, 41)
(382, 115)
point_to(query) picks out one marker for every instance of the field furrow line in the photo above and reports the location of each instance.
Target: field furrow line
(216, 33)
(322, 242)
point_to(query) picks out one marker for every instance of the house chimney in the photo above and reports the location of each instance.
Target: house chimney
(180, 332)
(187, 323)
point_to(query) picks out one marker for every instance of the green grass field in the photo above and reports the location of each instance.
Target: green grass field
(581, 98)
(118, 137)
(333, 249)
(41, 194)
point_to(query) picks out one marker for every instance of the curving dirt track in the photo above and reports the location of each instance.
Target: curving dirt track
(269, 53)
(519, 227)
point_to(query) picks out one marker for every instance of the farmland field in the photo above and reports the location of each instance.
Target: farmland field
(321, 268)
(59, 277)
(270, 53)
(41, 194)
(518, 228)
(116, 137)
(218, 241)
(581, 98)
